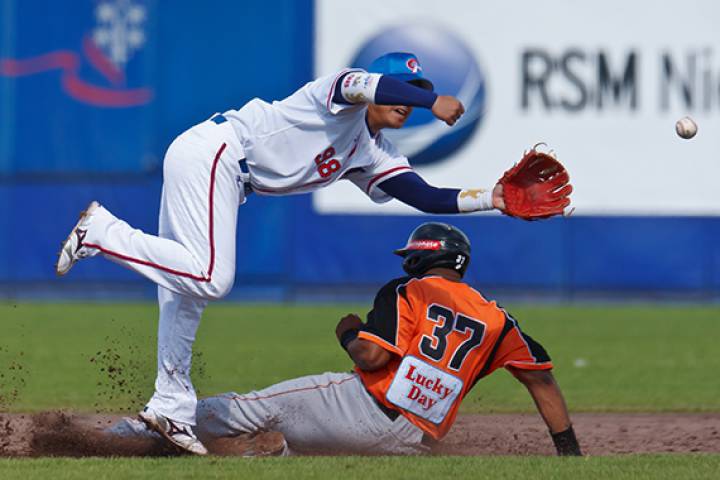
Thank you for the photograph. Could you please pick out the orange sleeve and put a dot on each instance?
(520, 350)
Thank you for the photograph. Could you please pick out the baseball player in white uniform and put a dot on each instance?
(328, 130)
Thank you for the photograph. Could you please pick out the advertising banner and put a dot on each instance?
(603, 87)
(77, 87)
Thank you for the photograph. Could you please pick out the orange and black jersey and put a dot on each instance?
(445, 336)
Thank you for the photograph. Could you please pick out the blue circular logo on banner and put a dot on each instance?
(450, 65)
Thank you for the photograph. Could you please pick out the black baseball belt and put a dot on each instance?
(391, 413)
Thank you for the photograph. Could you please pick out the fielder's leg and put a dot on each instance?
(194, 253)
(192, 260)
(174, 395)
(185, 215)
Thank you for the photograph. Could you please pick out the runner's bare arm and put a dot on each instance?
(366, 355)
(547, 396)
(550, 403)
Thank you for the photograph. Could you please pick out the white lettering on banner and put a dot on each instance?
(423, 389)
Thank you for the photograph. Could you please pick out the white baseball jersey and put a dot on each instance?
(307, 141)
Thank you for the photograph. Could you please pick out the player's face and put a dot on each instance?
(389, 116)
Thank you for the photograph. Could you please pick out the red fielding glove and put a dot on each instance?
(537, 187)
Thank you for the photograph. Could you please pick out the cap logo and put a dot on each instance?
(424, 245)
(413, 65)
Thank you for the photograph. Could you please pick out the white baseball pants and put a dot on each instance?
(192, 259)
(328, 413)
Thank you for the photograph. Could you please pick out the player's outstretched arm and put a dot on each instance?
(412, 190)
(538, 187)
(550, 403)
(366, 355)
(361, 87)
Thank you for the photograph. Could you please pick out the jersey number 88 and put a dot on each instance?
(326, 165)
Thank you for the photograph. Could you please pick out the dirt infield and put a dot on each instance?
(61, 434)
(598, 434)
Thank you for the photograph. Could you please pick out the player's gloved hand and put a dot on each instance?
(498, 200)
(448, 109)
(535, 188)
(349, 322)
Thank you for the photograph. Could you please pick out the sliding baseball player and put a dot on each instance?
(429, 339)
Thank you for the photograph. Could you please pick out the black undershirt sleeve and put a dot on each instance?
(382, 319)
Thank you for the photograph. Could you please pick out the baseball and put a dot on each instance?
(686, 127)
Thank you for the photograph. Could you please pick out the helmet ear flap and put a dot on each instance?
(419, 262)
(411, 264)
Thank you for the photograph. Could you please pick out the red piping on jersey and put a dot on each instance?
(383, 174)
(211, 236)
(352, 152)
(314, 387)
(289, 189)
(334, 84)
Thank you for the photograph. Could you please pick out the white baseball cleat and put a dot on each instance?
(177, 433)
(71, 250)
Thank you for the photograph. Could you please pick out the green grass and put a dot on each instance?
(637, 358)
(656, 467)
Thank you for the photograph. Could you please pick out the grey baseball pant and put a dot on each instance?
(328, 413)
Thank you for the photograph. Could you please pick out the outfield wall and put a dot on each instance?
(84, 115)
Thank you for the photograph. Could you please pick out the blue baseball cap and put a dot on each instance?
(402, 66)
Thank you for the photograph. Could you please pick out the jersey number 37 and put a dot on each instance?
(435, 346)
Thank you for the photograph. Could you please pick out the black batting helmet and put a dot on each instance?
(435, 244)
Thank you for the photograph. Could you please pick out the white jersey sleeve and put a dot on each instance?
(306, 142)
(387, 163)
(323, 90)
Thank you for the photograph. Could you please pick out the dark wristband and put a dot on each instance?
(566, 443)
(348, 336)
